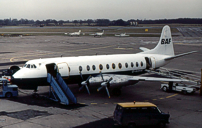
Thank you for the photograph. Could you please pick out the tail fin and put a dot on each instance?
(79, 31)
(165, 44)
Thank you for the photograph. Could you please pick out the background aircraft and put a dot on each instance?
(121, 35)
(97, 34)
(74, 33)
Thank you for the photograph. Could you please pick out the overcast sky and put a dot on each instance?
(99, 9)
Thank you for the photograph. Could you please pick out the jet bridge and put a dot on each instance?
(59, 88)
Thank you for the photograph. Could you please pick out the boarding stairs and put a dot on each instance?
(193, 78)
(60, 90)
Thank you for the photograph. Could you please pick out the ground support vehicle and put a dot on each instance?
(7, 90)
(133, 114)
(178, 88)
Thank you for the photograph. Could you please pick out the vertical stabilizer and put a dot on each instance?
(165, 44)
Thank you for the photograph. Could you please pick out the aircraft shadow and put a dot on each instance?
(43, 101)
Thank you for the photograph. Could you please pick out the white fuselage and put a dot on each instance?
(116, 64)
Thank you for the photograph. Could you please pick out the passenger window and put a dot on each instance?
(107, 66)
(34, 66)
(141, 63)
(113, 66)
(120, 65)
(137, 64)
(28, 66)
(93, 67)
(100, 66)
(88, 67)
(132, 64)
(80, 68)
(126, 65)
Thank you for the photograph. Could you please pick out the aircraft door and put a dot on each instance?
(153, 61)
(63, 69)
(148, 63)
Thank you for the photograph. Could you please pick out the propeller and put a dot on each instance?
(85, 83)
(105, 84)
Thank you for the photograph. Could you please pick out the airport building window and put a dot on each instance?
(126, 65)
(120, 65)
(113, 66)
(93, 67)
(141, 63)
(137, 64)
(88, 67)
(80, 68)
(107, 66)
(100, 66)
(132, 64)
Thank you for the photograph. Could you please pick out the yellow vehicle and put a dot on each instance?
(133, 114)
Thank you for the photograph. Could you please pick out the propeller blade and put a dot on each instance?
(107, 91)
(99, 88)
(87, 89)
(88, 78)
(109, 80)
(81, 88)
(81, 75)
(101, 76)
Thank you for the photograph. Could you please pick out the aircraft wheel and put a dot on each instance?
(162, 125)
(184, 92)
(116, 92)
(9, 95)
(165, 89)
(131, 125)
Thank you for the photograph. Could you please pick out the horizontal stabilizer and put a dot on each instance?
(144, 49)
(183, 54)
(156, 79)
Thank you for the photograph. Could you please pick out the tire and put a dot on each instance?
(184, 92)
(116, 92)
(165, 89)
(162, 125)
(131, 125)
(9, 95)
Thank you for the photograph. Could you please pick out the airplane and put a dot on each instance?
(121, 35)
(97, 34)
(74, 33)
(107, 71)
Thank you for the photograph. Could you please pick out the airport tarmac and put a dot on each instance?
(96, 110)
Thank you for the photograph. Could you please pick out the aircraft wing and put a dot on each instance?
(137, 78)
(144, 49)
(117, 79)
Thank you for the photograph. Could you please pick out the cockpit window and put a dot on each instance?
(34, 66)
(28, 66)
